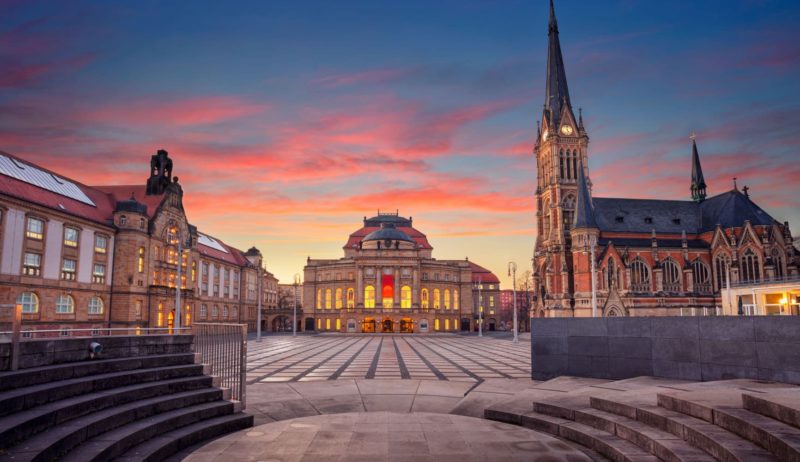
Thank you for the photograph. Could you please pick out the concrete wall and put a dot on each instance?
(691, 348)
(35, 353)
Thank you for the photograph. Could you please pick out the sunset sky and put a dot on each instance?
(288, 121)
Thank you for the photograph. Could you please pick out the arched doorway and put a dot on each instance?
(387, 326)
(368, 325)
(281, 324)
(406, 325)
(171, 321)
(309, 324)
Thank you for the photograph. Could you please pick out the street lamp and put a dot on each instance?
(294, 320)
(259, 296)
(480, 307)
(512, 271)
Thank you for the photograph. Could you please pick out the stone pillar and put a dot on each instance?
(397, 287)
(415, 288)
(359, 287)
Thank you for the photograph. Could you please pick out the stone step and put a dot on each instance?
(17, 400)
(165, 445)
(659, 443)
(611, 446)
(715, 441)
(783, 406)
(776, 437)
(112, 444)
(45, 374)
(25, 424)
(62, 438)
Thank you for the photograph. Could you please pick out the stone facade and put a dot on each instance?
(108, 257)
(388, 281)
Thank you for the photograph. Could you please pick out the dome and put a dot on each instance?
(388, 232)
(131, 206)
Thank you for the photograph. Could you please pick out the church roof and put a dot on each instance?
(556, 90)
(731, 209)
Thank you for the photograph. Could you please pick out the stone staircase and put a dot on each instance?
(652, 419)
(134, 408)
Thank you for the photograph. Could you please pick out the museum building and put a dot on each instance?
(388, 281)
(98, 257)
(634, 257)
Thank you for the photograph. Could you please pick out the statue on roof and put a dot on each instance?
(160, 173)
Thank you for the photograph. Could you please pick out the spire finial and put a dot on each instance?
(745, 190)
(734, 184)
(553, 23)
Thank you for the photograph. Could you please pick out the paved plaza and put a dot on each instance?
(455, 358)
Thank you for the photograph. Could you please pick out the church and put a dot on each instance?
(597, 256)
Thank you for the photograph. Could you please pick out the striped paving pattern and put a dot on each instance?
(385, 356)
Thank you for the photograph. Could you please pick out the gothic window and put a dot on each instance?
(369, 297)
(672, 276)
(722, 265)
(777, 260)
(339, 299)
(568, 204)
(405, 297)
(424, 299)
(546, 219)
(611, 274)
(640, 276)
(575, 165)
(751, 267)
(701, 276)
(562, 161)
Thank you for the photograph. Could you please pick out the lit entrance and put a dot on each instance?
(386, 325)
(406, 325)
(368, 326)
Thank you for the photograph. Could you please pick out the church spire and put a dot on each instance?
(556, 92)
(698, 186)
(584, 210)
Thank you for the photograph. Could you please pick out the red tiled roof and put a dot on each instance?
(418, 237)
(101, 213)
(124, 192)
(485, 276)
(234, 256)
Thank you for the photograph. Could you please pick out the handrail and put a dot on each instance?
(224, 347)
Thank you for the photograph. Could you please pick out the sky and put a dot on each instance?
(289, 121)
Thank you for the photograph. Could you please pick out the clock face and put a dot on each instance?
(566, 129)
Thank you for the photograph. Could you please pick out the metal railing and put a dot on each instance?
(224, 347)
(764, 281)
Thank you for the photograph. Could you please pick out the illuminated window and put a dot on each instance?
(351, 298)
(68, 267)
(70, 237)
(328, 324)
(491, 301)
(194, 271)
(328, 299)
(29, 302)
(172, 235)
(338, 298)
(387, 291)
(100, 243)
(424, 299)
(338, 324)
(99, 273)
(436, 324)
(65, 304)
(455, 299)
(437, 299)
(446, 299)
(319, 299)
(405, 297)
(369, 297)
(319, 324)
(95, 305)
(35, 228)
(140, 260)
(446, 324)
(32, 265)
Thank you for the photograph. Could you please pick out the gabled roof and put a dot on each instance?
(482, 275)
(731, 209)
(214, 248)
(101, 212)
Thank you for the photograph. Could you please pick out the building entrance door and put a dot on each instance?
(465, 324)
(387, 325)
(407, 325)
(368, 326)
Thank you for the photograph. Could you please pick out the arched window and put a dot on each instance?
(405, 297)
(455, 299)
(319, 299)
(568, 206)
(351, 298)
(574, 165)
(672, 276)
(751, 266)
(611, 274)
(446, 299)
(338, 298)
(437, 299)
(722, 266)
(546, 219)
(777, 261)
(369, 297)
(95, 305)
(561, 162)
(140, 260)
(424, 299)
(65, 304)
(640, 276)
(701, 277)
(29, 302)
(328, 301)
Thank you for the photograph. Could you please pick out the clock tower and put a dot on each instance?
(560, 150)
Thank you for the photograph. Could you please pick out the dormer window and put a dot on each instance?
(619, 219)
(676, 221)
(648, 220)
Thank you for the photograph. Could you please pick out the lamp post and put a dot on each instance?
(512, 271)
(294, 319)
(480, 307)
(260, 294)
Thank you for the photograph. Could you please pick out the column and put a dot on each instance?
(397, 287)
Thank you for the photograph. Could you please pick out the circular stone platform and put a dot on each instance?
(387, 436)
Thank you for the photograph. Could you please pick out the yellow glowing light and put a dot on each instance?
(783, 301)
